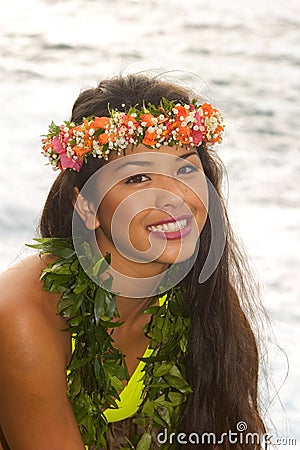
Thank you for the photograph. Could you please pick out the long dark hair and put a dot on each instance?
(222, 363)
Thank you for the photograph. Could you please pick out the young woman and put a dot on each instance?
(152, 272)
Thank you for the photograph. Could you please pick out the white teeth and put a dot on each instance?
(169, 227)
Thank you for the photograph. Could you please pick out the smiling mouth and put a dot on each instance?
(172, 228)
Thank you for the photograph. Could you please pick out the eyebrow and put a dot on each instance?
(186, 155)
(148, 163)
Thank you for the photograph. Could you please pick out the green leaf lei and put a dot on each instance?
(97, 369)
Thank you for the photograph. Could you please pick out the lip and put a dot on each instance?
(172, 235)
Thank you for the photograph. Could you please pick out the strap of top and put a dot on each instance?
(130, 397)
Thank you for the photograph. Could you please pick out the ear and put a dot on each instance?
(86, 210)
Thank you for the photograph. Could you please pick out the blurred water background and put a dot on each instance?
(243, 56)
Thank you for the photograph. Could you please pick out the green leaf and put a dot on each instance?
(79, 288)
(110, 301)
(175, 398)
(64, 304)
(97, 368)
(116, 383)
(117, 370)
(145, 442)
(75, 387)
(160, 370)
(97, 266)
(178, 383)
(99, 304)
(148, 408)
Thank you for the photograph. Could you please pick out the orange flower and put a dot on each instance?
(103, 138)
(130, 119)
(149, 138)
(207, 108)
(147, 118)
(80, 151)
(101, 122)
(183, 135)
(76, 128)
(182, 112)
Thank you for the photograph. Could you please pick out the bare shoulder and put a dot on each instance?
(23, 277)
(34, 353)
(26, 310)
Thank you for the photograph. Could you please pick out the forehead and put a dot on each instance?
(143, 153)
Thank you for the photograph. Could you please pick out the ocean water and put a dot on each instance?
(243, 57)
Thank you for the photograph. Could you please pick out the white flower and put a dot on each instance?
(151, 129)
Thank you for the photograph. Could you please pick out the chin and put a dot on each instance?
(175, 255)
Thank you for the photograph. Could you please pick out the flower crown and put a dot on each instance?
(171, 123)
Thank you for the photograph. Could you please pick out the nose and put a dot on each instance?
(170, 193)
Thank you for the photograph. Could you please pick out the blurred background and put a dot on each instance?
(244, 57)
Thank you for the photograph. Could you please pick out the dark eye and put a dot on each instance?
(136, 179)
(189, 168)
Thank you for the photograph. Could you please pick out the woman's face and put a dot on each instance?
(153, 208)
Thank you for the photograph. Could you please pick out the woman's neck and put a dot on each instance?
(130, 309)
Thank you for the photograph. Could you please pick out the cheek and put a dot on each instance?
(121, 215)
(106, 211)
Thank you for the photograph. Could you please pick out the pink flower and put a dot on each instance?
(57, 145)
(68, 162)
(196, 135)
